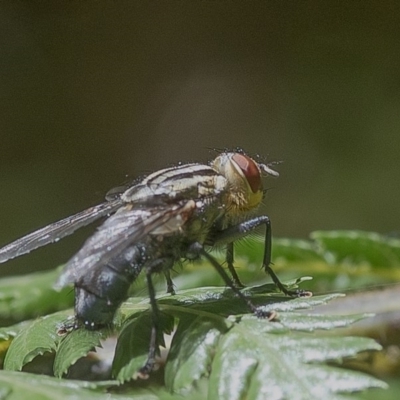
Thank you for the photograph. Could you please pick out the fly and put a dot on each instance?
(172, 214)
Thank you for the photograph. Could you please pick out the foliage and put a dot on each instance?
(216, 348)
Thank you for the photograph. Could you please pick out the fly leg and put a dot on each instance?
(170, 284)
(164, 265)
(155, 315)
(199, 249)
(231, 267)
(236, 232)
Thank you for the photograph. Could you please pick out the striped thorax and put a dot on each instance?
(188, 181)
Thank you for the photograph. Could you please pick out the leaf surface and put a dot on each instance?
(39, 337)
(73, 346)
(264, 363)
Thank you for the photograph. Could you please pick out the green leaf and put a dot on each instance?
(22, 385)
(191, 353)
(39, 337)
(198, 338)
(220, 301)
(357, 247)
(262, 363)
(215, 345)
(218, 347)
(311, 322)
(32, 295)
(75, 345)
(287, 250)
(295, 250)
(133, 344)
(9, 332)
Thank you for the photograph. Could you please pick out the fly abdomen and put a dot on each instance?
(100, 292)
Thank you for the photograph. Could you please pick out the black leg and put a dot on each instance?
(232, 270)
(197, 247)
(239, 231)
(170, 284)
(149, 365)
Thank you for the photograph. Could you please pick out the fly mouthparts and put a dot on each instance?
(265, 168)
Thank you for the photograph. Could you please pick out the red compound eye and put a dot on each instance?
(250, 170)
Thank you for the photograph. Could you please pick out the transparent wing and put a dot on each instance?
(58, 230)
(121, 230)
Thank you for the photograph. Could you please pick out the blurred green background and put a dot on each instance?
(96, 92)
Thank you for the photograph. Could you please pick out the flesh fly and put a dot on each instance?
(172, 214)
